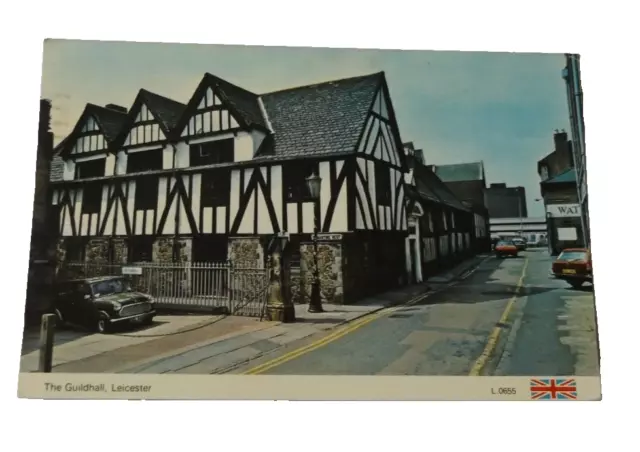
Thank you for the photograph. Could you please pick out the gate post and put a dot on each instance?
(279, 305)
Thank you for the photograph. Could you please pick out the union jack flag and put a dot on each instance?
(553, 389)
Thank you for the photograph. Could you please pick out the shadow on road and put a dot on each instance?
(68, 334)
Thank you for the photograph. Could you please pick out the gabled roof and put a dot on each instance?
(167, 111)
(110, 121)
(244, 104)
(569, 176)
(325, 118)
(428, 181)
(460, 172)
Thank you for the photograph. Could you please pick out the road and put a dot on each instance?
(506, 318)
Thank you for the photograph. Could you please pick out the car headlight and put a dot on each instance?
(116, 306)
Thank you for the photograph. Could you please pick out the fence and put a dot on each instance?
(190, 285)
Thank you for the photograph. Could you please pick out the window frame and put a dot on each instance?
(294, 177)
(382, 184)
(215, 188)
(217, 151)
(86, 164)
(91, 205)
(156, 158)
(148, 200)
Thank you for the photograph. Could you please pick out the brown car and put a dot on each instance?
(574, 266)
(506, 248)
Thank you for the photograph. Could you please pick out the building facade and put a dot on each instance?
(571, 75)
(216, 178)
(506, 202)
(441, 227)
(468, 182)
(560, 195)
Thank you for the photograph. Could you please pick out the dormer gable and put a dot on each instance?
(219, 107)
(94, 133)
(150, 120)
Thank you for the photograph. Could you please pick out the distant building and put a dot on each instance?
(571, 75)
(506, 202)
(468, 182)
(560, 196)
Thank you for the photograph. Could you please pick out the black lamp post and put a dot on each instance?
(315, 303)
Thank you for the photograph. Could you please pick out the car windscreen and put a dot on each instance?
(109, 287)
(505, 243)
(572, 256)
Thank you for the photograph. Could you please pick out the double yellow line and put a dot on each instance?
(349, 328)
(492, 342)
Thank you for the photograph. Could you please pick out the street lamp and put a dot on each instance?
(315, 303)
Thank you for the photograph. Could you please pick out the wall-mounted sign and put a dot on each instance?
(563, 210)
(330, 237)
(131, 270)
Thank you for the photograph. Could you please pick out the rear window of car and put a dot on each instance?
(503, 243)
(572, 255)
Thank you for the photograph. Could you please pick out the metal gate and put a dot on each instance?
(188, 286)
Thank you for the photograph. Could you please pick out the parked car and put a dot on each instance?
(520, 243)
(506, 248)
(99, 303)
(574, 266)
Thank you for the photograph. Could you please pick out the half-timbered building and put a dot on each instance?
(215, 178)
(440, 231)
(469, 183)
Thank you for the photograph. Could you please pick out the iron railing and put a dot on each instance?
(188, 285)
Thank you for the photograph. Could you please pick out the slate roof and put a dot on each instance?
(167, 111)
(460, 172)
(110, 121)
(325, 118)
(429, 185)
(569, 176)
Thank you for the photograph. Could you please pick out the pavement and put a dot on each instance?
(209, 344)
(505, 318)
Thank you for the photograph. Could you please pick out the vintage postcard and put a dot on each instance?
(235, 222)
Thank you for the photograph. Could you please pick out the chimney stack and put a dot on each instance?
(560, 140)
(117, 108)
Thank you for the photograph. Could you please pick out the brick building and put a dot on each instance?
(560, 195)
(506, 202)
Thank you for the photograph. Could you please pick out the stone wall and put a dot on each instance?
(246, 252)
(163, 250)
(330, 271)
(248, 281)
(120, 250)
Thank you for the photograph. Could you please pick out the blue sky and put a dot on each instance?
(501, 108)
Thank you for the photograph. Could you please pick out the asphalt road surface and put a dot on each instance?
(550, 330)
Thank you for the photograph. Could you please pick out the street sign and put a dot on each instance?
(563, 210)
(330, 237)
(131, 270)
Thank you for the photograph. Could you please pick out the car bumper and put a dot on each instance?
(567, 277)
(134, 318)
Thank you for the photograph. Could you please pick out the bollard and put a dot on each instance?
(47, 329)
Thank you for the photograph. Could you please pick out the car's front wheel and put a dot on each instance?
(103, 326)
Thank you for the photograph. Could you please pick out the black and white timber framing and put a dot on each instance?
(231, 163)
(213, 171)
